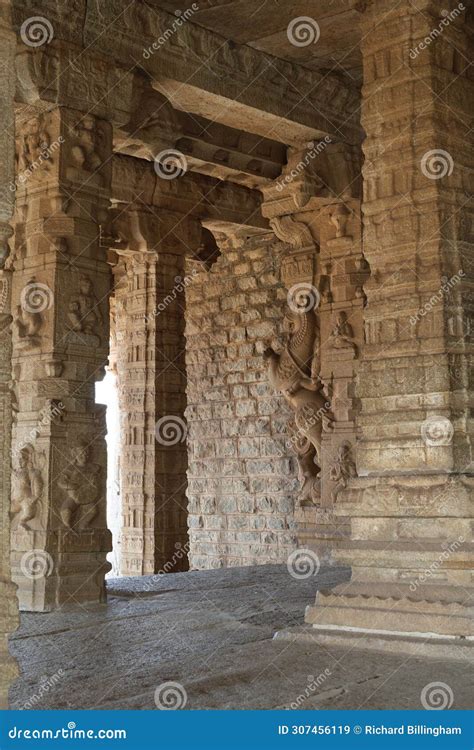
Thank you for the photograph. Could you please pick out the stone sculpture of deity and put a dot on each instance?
(27, 487)
(84, 312)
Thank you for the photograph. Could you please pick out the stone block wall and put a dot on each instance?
(242, 478)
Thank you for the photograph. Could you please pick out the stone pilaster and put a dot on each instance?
(8, 601)
(410, 546)
(61, 285)
(315, 208)
(151, 379)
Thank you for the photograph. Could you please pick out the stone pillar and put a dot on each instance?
(8, 601)
(315, 208)
(61, 285)
(152, 382)
(410, 546)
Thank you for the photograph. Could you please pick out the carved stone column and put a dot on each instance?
(61, 285)
(8, 601)
(314, 207)
(152, 382)
(411, 524)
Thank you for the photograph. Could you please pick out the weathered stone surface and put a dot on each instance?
(238, 455)
(212, 631)
(8, 601)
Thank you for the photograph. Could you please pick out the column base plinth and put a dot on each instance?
(415, 644)
(434, 611)
(67, 568)
(321, 531)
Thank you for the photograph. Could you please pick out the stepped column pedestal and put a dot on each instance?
(410, 504)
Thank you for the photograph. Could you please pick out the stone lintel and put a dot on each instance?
(137, 183)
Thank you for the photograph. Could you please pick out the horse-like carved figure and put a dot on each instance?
(295, 373)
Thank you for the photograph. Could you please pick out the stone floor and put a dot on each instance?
(212, 632)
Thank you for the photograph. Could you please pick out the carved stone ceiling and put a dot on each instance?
(263, 24)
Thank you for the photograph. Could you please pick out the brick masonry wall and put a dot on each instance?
(242, 482)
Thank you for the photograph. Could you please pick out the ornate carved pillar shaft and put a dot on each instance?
(315, 208)
(8, 602)
(410, 546)
(151, 379)
(61, 285)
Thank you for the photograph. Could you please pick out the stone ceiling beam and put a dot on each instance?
(201, 72)
(136, 183)
(208, 147)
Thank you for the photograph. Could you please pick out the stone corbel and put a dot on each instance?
(293, 232)
(154, 126)
(315, 176)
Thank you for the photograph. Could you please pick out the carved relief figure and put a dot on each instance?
(339, 218)
(84, 311)
(82, 482)
(294, 373)
(27, 487)
(86, 150)
(28, 324)
(33, 146)
(308, 473)
(343, 468)
(342, 335)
